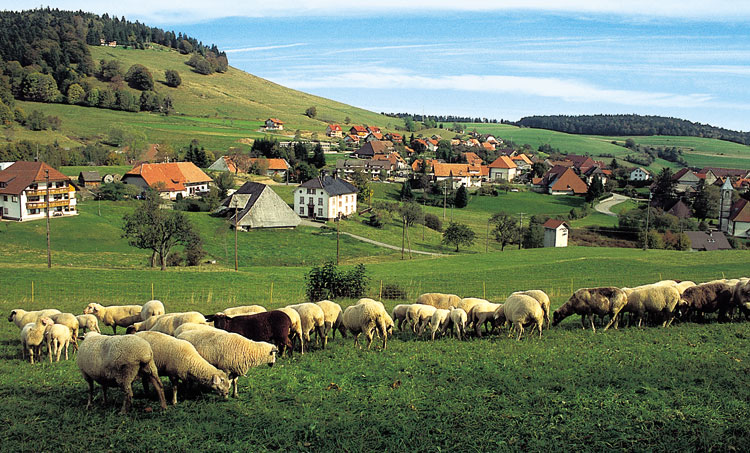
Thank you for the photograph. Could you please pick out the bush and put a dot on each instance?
(487, 190)
(392, 291)
(328, 282)
(173, 78)
(433, 222)
(174, 259)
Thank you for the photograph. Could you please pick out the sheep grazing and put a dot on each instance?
(88, 323)
(334, 317)
(607, 300)
(168, 323)
(312, 318)
(231, 352)
(114, 315)
(366, 317)
(271, 326)
(418, 315)
(540, 297)
(152, 308)
(659, 298)
(22, 317)
(709, 298)
(295, 330)
(192, 326)
(440, 320)
(117, 361)
(439, 300)
(244, 310)
(482, 314)
(458, 319)
(57, 337)
(520, 310)
(71, 322)
(467, 303)
(32, 336)
(179, 360)
(144, 325)
(741, 297)
(399, 314)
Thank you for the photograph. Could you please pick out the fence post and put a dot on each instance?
(380, 296)
(271, 293)
(32, 291)
(484, 290)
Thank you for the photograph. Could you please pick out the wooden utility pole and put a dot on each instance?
(49, 252)
(487, 238)
(403, 235)
(338, 227)
(236, 259)
(648, 212)
(520, 230)
(445, 197)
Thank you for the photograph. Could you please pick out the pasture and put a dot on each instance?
(631, 389)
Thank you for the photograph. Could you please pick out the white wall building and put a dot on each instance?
(640, 174)
(24, 191)
(326, 198)
(556, 233)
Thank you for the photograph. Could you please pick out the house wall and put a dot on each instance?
(502, 174)
(15, 207)
(325, 206)
(557, 237)
(740, 229)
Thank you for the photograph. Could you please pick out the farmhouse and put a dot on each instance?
(712, 240)
(272, 167)
(274, 124)
(374, 136)
(89, 179)
(258, 206)
(374, 168)
(640, 174)
(351, 140)
(458, 174)
(370, 149)
(503, 169)
(170, 179)
(560, 180)
(522, 161)
(334, 130)
(716, 173)
(325, 197)
(359, 131)
(739, 219)
(685, 180)
(224, 163)
(556, 233)
(472, 158)
(25, 186)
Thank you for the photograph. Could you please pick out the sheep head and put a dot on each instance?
(221, 384)
(46, 321)
(131, 330)
(91, 308)
(12, 316)
(274, 352)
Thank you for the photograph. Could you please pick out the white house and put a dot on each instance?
(255, 205)
(274, 124)
(556, 233)
(503, 169)
(25, 186)
(459, 174)
(325, 197)
(640, 174)
(170, 179)
(334, 130)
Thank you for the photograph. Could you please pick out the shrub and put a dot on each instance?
(392, 291)
(174, 259)
(433, 222)
(328, 282)
(173, 78)
(487, 190)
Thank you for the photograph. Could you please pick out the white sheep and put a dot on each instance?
(458, 319)
(439, 321)
(32, 336)
(180, 361)
(244, 310)
(312, 318)
(418, 315)
(606, 300)
(656, 298)
(334, 317)
(230, 352)
(21, 317)
(398, 314)
(296, 328)
(88, 323)
(117, 361)
(114, 315)
(71, 322)
(192, 326)
(144, 325)
(520, 309)
(152, 308)
(467, 303)
(169, 322)
(367, 317)
(482, 313)
(540, 297)
(439, 300)
(58, 337)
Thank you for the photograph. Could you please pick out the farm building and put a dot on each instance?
(560, 180)
(272, 167)
(334, 130)
(224, 163)
(503, 169)
(274, 124)
(325, 197)
(258, 206)
(358, 131)
(370, 149)
(170, 179)
(556, 233)
(458, 174)
(685, 180)
(712, 240)
(739, 218)
(89, 179)
(24, 187)
(640, 174)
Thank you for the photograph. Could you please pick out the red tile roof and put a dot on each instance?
(174, 175)
(457, 170)
(21, 174)
(503, 162)
(554, 223)
(568, 180)
(275, 120)
(522, 157)
(740, 211)
(273, 164)
(472, 158)
(334, 127)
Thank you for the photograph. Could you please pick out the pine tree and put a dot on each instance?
(406, 193)
(462, 197)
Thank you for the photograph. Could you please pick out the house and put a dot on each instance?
(372, 167)
(4, 165)
(89, 179)
(258, 206)
(397, 162)
(224, 163)
(685, 180)
(680, 210)
(373, 130)
(522, 161)
(560, 180)
(490, 139)
(458, 174)
(274, 124)
(325, 197)
(170, 179)
(25, 188)
(417, 165)
(588, 175)
(715, 173)
(712, 240)
(739, 219)
(374, 136)
(472, 158)
(488, 146)
(581, 163)
(640, 174)
(334, 130)
(395, 138)
(351, 140)
(556, 233)
(503, 169)
(472, 142)
(371, 149)
(359, 131)
(431, 144)
(273, 166)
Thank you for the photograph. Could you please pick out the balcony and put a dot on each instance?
(43, 192)
(43, 204)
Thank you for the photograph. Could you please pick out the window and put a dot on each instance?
(320, 201)
(5, 211)
(301, 200)
(320, 212)
(311, 191)
(301, 210)
(5, 198)
(311, 200)
(15, 199)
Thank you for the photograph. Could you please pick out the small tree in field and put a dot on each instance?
(462, 197)
(311, 112)
(458, 234)
(173, 78)
(505, 229)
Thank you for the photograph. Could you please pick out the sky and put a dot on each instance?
(481, 58)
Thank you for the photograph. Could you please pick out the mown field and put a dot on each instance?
(632, 389)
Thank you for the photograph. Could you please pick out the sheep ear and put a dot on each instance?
(216, 380)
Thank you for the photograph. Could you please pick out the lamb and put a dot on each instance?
(593, 301)
(58, 337)
(439, 300)
(399, 314)
(458, 319)
(22, 317)
(244, 310)
(114, 315)
(271, 326)
(520, 309)
(88, 323)
(168, 323)
(312, 317)
(482, 313)
(418, 315)
(367, 317)
(709, 298)
(440, 320)
(655, 298)
(542, 298)
(32, 336)
(71, 322)
(117, 361)
(179, 360)
(231, 352)
(152, 308)
(334, 317)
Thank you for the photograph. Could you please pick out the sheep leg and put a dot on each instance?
(49, 350)
(67, 343)
(234, 384)
(90, 382)
(519, 326)
(104, 394)
(128, 403)
(612, 321)
(583, 322)
(540, 329)
(369, 336)
(174, 382)
(114, 329)
(593, 327)
(356, 340)
(323, 333)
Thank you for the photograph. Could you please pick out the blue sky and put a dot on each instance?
(501, 59)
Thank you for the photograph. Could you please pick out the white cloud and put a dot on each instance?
(256, 49)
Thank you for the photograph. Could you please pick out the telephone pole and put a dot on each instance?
(49, 252)
(648, 214)
(520, 229)
(338, 227)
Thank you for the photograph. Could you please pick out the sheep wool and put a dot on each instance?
(88, 323)
(296, 328)
(606, 300)
(439, 321)
(399, 314)
(114, 315)
(366, 317)
(439, 300)
(543, 300)
(334, 317)
(58, 337)
(32, 336)
(152, 308)
(483, 314)
(191, 326)
(22, 317)
(458, 319)
(312, 318)
(70, 321)
(168, 323)
(417, 314)
(658, 298)
(520, 309)
(244, 310)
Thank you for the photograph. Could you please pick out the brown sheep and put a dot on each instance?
(709, 298)
(593, 301)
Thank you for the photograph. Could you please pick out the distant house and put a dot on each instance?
(503, 169)
(556, 233)
(712, 240)
(394, 137)
(274, 124)
(522, 161)
(431, 144)
(89, 179)
(685, 180)
(640, 174)
(170, 179)
(325, 197)
(374, 168)
(24, 190)
(273, 166)
(458, 174)
(334, 130)
(472, 158)
(716, 173)
(373, 130)
(560, 180)
(370, 149)
(488, 146)
(352, 140)
(739, 219)
(258, 206)
(374, 136)
(224, 163)
(359, 131)
(680, 210)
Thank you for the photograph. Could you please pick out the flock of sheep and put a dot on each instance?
(213, 351)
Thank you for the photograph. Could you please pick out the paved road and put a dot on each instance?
(605, 206)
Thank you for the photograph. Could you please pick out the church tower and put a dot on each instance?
(726, 205)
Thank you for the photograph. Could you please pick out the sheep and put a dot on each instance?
(543, 300)
(152, 308)
(32, 336)
(312, 317)
(230, 352)
(117, 361)
(399, 314)
(593, 301)
(367, 317)
(192, 326)
(244, 310)
(58, 337)
(114, 315)
(334, 317)
(741, 297)
(271, 326)
(520, 309)
(168, 323)
(467, 303)
(656, 299)
(710, 297)
(71, 322)
(88, 323)
(482, 313)
(295, 328)
(144, 325)
(418, 315)
(180, 361)
(439, 321)
(22, 317)
(439, 300)
(458, 319)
